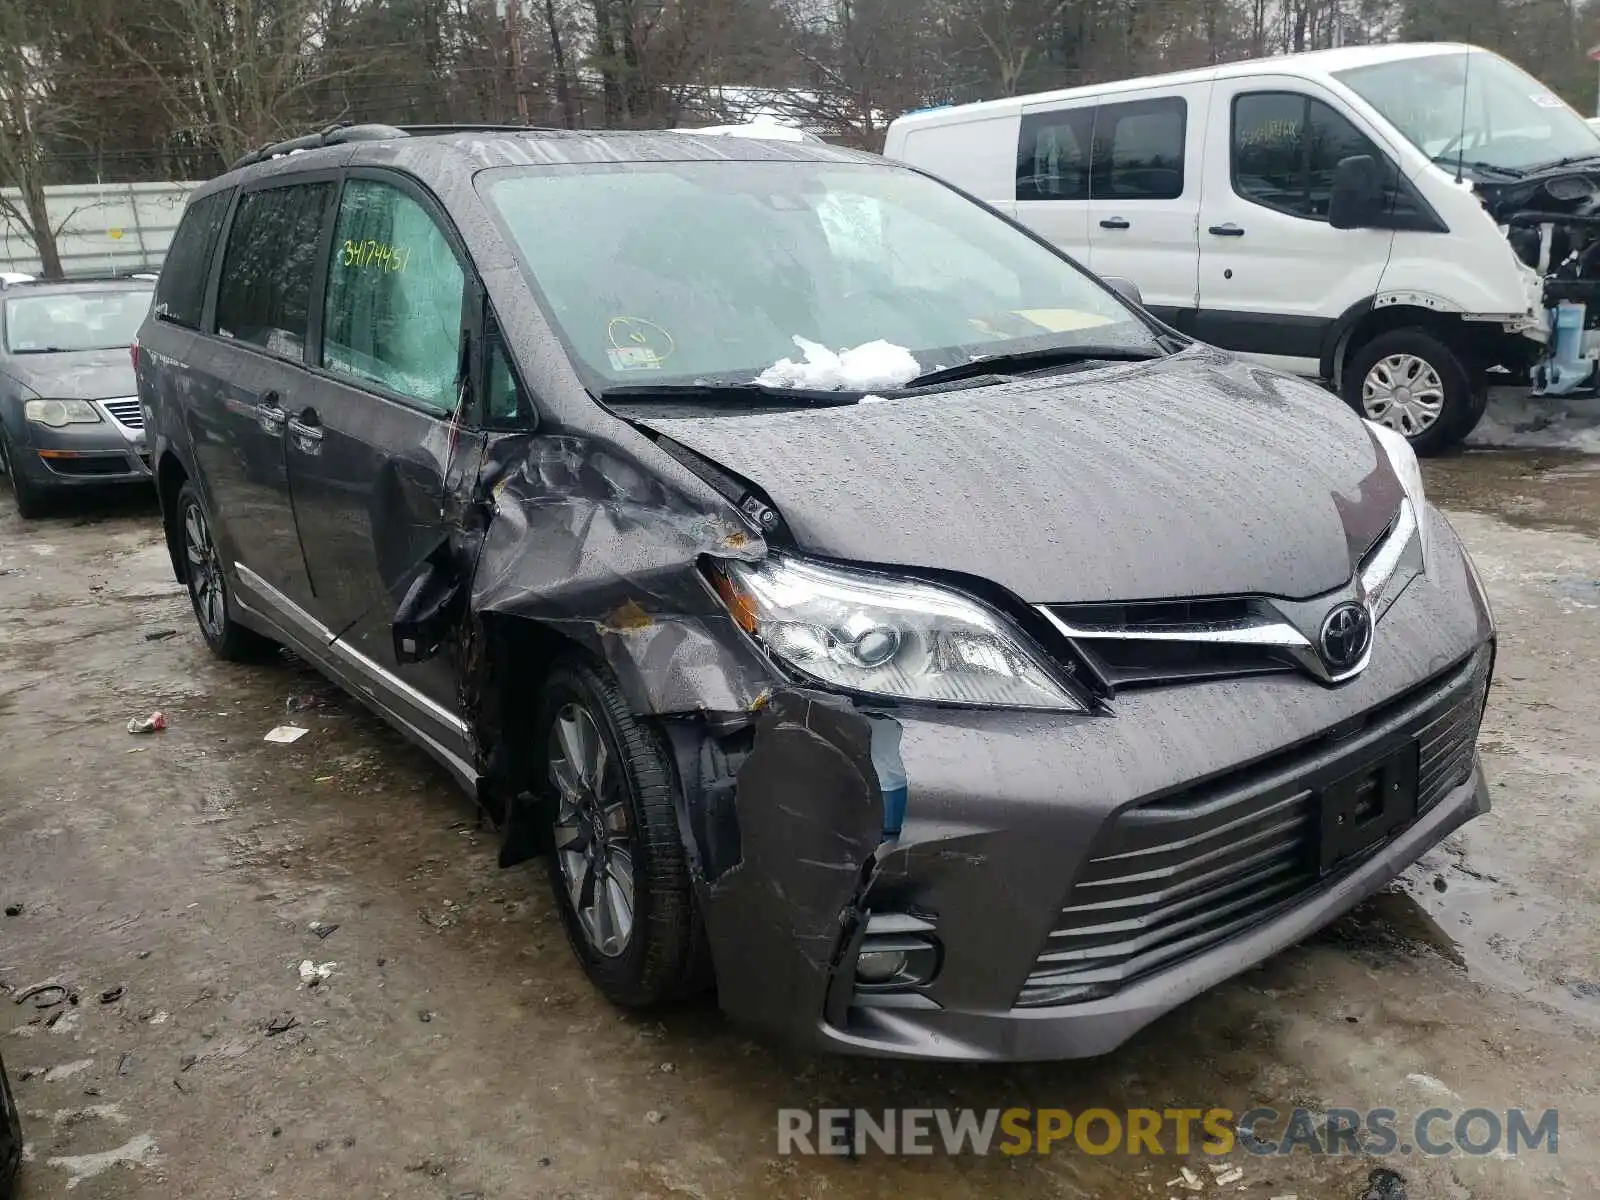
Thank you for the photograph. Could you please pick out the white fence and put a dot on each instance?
(103, 226)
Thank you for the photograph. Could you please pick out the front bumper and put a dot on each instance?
(81, 455)
(1010, 813)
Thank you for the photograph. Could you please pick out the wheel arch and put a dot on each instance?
(171, 475)
(1362, 322)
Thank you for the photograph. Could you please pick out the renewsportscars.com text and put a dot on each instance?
(1377, 1132)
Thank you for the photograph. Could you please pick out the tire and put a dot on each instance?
(1422, 373)
(209, 594)
(31, 499)
(664, 954)
(10, 1137)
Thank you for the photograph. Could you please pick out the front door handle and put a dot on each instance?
(1228, 230)
(269, 413)
(1114, 223)
(306, 430)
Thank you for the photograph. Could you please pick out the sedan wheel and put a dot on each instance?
(1403, 392)
(593, 834)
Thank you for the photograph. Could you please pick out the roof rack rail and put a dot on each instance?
(426, 130)
(338, 135)
(329, 135)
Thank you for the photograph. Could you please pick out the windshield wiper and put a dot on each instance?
(1570, 160)
(1032, 360)
(1450, 162)
(724, 393)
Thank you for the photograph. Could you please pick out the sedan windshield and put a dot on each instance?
(1475, 106)
(61, 322)
(663, 272)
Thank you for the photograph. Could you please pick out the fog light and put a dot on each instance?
(880, 966)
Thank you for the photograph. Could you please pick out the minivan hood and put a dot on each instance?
(1197, 475)
(76, 375)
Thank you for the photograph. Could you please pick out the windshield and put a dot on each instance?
(708, 271)
(67, 321)
(1510, 120)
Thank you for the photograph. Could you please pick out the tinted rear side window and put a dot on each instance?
(1131, 151)
(181, 292)
(271, 260)
(1053, 155)
(1138, 150)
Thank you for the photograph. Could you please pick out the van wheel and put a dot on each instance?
(617, 863)
(208, 585)
(1411, 381)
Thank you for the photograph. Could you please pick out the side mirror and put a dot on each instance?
(1126, 288)
(1357, 197)
(430, 611)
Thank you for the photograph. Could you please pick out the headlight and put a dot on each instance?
(56, 413)
(888, 637)
(1406, 468)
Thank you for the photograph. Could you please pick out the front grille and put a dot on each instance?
(98, 464)
(1177, 874)
(1171, 641)
(127, 412)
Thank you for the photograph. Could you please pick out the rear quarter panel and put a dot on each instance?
(978, 153)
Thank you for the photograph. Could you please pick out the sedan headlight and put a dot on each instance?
(58, 413)
(1403, 553)
(890, 637)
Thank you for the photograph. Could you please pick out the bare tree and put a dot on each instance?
(251, 66)
(34, 114)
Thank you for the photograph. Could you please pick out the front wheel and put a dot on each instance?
(617, 863)
(29, 496)
(1414, 383)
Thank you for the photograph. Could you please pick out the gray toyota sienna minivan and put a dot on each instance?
(862, 608)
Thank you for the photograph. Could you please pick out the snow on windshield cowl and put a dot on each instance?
(867, 367)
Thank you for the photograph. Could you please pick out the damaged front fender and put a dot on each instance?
(588, 543)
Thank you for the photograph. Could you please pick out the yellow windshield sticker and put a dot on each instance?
(637, 344)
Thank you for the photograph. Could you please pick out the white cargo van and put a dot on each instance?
(1397, 220)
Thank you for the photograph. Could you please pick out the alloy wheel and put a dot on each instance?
(593, 832)
(1403, 392)
(205, 573)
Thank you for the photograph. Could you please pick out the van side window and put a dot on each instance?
(1138, 150)
(1053, 155)
(1285, 148)
(265, 295)
(181, 290)
(392, 314)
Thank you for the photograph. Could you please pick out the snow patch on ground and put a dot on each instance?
(67, 1070)
(137, 1152)
(866, 368)
(1515, 420)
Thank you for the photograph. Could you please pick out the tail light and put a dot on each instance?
(133, 353)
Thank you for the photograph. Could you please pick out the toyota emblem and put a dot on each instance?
(1346, 636)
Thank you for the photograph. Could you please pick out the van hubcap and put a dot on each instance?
(593, 838)
(205, 572)
(1403, 392)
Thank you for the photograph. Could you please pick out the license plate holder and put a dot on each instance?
(1366, 806)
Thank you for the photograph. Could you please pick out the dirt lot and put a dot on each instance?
(454, 1049)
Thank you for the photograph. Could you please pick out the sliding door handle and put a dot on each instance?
(1228, 230)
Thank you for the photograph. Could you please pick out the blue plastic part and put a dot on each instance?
(1564, 369)
(891, 771)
